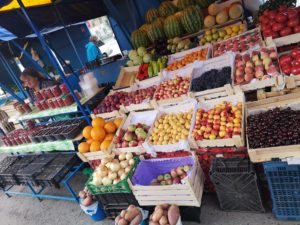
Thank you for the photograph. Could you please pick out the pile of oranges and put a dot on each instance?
(99, 136)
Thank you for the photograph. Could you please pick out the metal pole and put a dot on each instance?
(31, 59)
(69, 37)
(11, 92)
(53, 60)
(12, 75)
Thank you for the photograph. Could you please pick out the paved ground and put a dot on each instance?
(25, 210)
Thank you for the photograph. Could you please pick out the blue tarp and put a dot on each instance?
(5, 35)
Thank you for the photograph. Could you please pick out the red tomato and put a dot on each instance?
(297, 29)
(267, 33)
(272, 15)
(295, 52)
(293, 23)
(286, 69)
(281, 17)
(292, 15)
(296, 70)
(275, 34)
(297, 59)
(277, 26)
(261, 18)
(282, 8)
(266, 12)
(286, 31)
(285, 59)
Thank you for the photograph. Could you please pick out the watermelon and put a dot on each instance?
(192, 19)
(203, 4)
(144, 27)
(139, 39)
(151, 15)
(173, 27)
(156, 31)
(182, 4)
(159, 21)
(167, 9)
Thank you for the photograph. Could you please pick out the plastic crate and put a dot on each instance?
(284, 186)
(56, 170)
(236, 184)
(206, 156)
(121, 187)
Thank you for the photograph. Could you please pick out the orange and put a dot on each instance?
(109, 137)
(95, 146)
(87, 132)
(89, 140)
(98, 122)
(84, 147)
(105, 145)
(98, 133)
(118, 122)
(110, 127)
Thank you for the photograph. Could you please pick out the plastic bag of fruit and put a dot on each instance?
(165, 214)
(131, 216)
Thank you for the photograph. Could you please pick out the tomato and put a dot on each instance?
(286, 31)
(264, 26)
(281, 17)
(295, 52)
(295, 63)
(275, 34)
(282, 8)
(272, 15)
(261, 18)
(296, 70)
(292, 15)
(265, 20)
(266, 12)
(286, 69)
(277, 27)
(297, 29)
(267, 33)
(285, 59)
(293, 23)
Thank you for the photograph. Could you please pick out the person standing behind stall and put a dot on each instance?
(33, 81)
(92, 50)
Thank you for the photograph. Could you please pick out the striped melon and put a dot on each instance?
(151, 15)
(203, 4)
(182, 4)
(173, 27)
(167, 9)
(139, 39)
(156, 31)
(192, 19)
(159, 21)
(144, 27)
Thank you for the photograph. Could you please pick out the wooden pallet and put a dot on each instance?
(187, 194)
(267, 154)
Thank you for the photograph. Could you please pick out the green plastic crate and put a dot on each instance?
(121, 187)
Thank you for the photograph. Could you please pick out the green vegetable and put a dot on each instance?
(150, 71)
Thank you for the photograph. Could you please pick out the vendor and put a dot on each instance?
(92, 49)
(34, 81)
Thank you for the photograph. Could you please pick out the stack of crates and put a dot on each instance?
(284, 184)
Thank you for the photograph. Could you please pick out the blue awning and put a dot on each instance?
(6, 35)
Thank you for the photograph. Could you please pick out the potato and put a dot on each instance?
(122, 214)
(117, 219)
(163, 220)
(132, 213)
(173, 214)
(157, 214)
(136, 220)
(122, 222)
(153, 223)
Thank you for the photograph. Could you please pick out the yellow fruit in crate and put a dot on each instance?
(202, 41)
(208, 32)
(87, 132)
(215, 36)
(213, 9)
(84, 147)
(110, 127)
(240, 32)
(242, 26)
(228, 30)
(208, 38)
(98, 133)
(226, 37)
(233, 34)
(118, 122)
(105, 145)
(214, 30)
(209, 21)
(235, 28)
(222, 33)
(109, 137)
(89, 141)
(95, 146)
(98, 122)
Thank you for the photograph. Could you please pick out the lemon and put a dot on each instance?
(208, 38)
(233, 34)
(214, 30)
(235, 28)
(208, 32)
(222, 33)
(215, 36)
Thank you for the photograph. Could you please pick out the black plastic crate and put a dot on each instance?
(236, 184)
(115, 199)
(112, 211)
(56, 170)
(28, 173)
(284, 186)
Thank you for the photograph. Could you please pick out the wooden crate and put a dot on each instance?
(147, 117)
(187, 194)
(214, 93)
(126, 77)
(88, 156)
(283, 41)
(258, 155)
(271, 82)
(236, 140)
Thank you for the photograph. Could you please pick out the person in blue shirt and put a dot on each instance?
(92, 50)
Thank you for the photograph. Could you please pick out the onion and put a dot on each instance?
(120, 172)
(115, 167)
(127, 169)
(106, 181)
(111, 157)
(123, 176)
(97, 181)
(124, 164)
(131, 162)
(112, 175)
(115, 181)
(102, 171)
(129, 156)
(108, 165)
(122, 156)
(104, 161)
